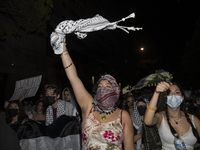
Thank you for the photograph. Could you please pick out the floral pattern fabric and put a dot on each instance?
(102, 136)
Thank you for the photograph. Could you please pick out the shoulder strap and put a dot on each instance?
(193, 121)
(162, 114)
(90, 111)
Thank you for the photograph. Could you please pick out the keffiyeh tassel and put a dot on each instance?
(81, 27)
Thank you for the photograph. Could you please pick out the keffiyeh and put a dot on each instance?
(82, 26)
(64, 108)
(105, 99)
(154, 79)
(137, 122)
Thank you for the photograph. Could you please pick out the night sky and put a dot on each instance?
(167, 27)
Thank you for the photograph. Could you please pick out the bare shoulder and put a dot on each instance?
(159, 116)
(194, 118)
(126, 118)
(124, 112)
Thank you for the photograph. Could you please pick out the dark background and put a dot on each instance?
(167, 28)
(170, 38)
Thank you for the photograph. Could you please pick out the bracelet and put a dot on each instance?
(157, 91)
(151, 108)
(68, 66)
(64, 52)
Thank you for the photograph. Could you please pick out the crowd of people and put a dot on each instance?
(76, 119)
(108, 119)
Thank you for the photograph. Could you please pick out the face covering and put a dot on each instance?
(13, 112)
(141, 110)
(105, 100)
(174, 101)
(50, 100)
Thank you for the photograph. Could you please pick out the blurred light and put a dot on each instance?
(92, 79)
(142, 48)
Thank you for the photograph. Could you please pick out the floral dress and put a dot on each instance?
(102, 136)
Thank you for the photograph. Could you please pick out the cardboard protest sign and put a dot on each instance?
(26, 88)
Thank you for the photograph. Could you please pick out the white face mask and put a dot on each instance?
(174, 101)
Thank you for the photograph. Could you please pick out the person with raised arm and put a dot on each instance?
(174, 120)
(104, 125)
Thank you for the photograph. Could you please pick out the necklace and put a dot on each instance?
(176, 120)
(103, 117)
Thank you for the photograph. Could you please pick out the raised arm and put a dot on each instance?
(150, 117)
(83, 97)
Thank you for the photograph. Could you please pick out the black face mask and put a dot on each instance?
(50, 100)
(13, 112)
(141, 110)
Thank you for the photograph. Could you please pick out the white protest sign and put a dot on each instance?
(26, 88)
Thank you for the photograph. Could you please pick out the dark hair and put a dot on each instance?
(140, 99)
(177, 84)
(43, 107)
(21, 111)
(194, 108)
(130, 96)
(183, 108)
(120, 101)
(197, 96)
(52, 87)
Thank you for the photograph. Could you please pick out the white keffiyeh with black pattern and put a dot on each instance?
(64, 108)
(137, 122)
(81, 27)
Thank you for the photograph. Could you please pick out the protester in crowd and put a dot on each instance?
(188, 99)
(56, 106)
(104, 125)
(21, 100)
(58, 129)
(15, 115)
(28, 105)
(68, 96)
(137, 119)
(174, 119)
(124, 104)
(146, 137)
(121, 103)
(40, 110)
(8, 137)
(129, 102)
(195, 109)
